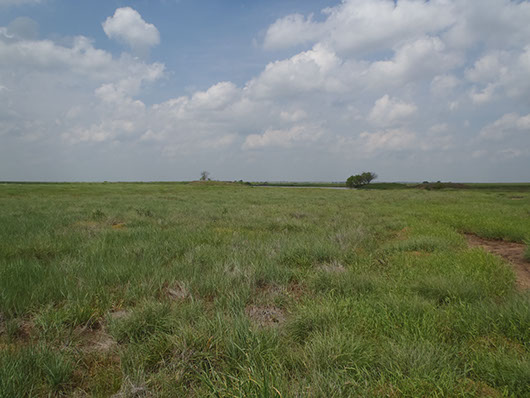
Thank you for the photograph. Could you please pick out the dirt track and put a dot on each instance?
(510, 251)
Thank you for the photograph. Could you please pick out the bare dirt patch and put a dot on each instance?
(265, 316)
(296, 290)
(129, 389)
(266, 293)
(97, 341)
(479, 388)
(119, 314)
(333, 268)
(118, 225)
(403, 233)
(510, 251)
(23, 330)
(177, 291)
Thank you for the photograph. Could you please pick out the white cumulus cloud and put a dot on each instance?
(508, 125)
(361, 25)
(297, 135)
(128, 26)
(387, 111)
(384, 140)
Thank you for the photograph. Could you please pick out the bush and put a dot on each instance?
(358, 180)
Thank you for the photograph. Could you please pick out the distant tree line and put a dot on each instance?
(358, 180)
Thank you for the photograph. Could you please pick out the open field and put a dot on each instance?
(230, 290)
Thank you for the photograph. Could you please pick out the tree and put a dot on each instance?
(354, 181)
(358, 180)
(205, 175)
(368, 177)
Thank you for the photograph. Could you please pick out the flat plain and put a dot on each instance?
(228, 290)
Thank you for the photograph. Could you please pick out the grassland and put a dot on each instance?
(229, 290)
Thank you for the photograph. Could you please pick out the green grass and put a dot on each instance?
(222, 289)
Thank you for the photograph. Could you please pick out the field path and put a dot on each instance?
(510, 251)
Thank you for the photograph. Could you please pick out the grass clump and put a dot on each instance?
(33, 371)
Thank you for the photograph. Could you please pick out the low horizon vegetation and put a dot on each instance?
(360, 180)
(212, 289)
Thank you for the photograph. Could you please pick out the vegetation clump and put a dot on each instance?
(441, 185)
(359, 180)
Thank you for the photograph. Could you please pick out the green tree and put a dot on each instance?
(205, 176)
(358, 180)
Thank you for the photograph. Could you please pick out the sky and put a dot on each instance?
(264, 90)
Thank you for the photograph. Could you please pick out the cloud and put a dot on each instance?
(387, 111)
(444, 85)
(318, 69)
(417, 60)
(47, 63)
(385, 140)
(217, 97)
(362, 25)
(499, 73)
(297, 135)
(23, 28)
(483, 96)
(128, 26)
(292, 30)
(82, 93)
(18, 2)
(486, 68)
(509, 124)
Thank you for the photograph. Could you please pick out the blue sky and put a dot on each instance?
(202, 42)
(264, 90)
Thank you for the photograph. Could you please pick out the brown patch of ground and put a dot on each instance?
(385, 390)
(494, 342)
(119, 314)
(333, 267)
(265, 316)
(119, 225)
(296, 290)
(97, 341)
(266, 292)
(89, 226)
(25, 329)
(269, 291)
(403, 234)
(18, 332)
(97, 374)
(510, 251)
(479, 388)
(132, 390)
(177, 291)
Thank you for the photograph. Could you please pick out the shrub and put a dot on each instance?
(358, 180)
